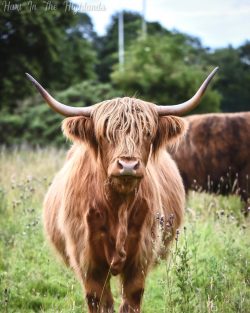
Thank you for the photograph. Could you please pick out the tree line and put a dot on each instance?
(63, 51)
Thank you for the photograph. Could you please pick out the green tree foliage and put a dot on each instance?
(77, 54)
(61, 49)
(108, 45)
(34, 122)
(53, 45)
(164, 69)
(234, 78)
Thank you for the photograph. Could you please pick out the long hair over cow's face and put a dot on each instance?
(124, 133)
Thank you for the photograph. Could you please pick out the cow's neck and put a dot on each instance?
(117, 200)
(119, 207)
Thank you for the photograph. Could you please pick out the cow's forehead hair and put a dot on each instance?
(121, 117)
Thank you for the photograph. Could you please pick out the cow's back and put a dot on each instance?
(215, 151)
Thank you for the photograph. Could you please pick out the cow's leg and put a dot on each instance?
(98, 293)
(96, 282)
(132, 290)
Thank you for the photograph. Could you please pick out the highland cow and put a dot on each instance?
(215, 154)
(116, 204)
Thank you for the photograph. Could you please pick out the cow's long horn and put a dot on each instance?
(58, 106)
(185, 107)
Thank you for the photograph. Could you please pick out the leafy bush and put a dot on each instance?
(35, 123)
(164, 70)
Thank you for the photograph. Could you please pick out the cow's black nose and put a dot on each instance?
(128, 167)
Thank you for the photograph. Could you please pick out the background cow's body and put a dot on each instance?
(215, 153)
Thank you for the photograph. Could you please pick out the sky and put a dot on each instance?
(217, 23)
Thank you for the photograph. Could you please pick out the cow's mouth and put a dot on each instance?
(125, 183)
(127, 178)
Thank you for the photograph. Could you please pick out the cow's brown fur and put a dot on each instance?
(97, 229)
(215, 153)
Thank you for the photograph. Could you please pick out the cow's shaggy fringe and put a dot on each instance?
(132, 117)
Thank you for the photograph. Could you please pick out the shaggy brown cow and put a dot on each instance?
(119, 198)
(215, 154)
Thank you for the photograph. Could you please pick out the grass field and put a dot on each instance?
(208, 271)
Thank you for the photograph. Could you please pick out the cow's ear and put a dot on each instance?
(79, 128)
(170, 129)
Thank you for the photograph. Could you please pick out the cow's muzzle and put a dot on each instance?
(127, 168)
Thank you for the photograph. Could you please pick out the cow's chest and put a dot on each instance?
(114, 238)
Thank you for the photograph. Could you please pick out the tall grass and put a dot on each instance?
(208, 270)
